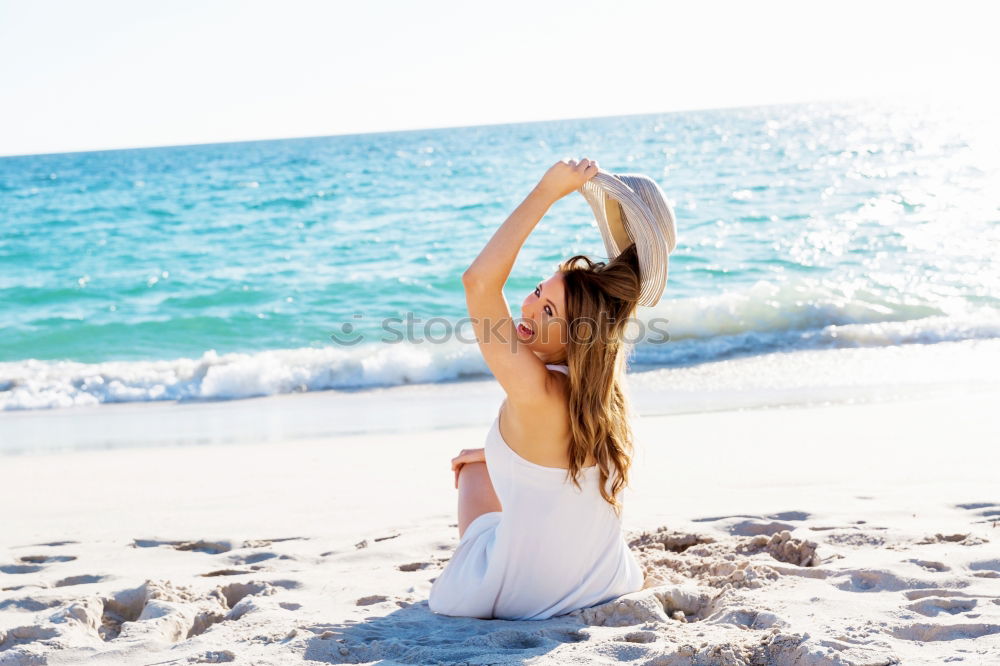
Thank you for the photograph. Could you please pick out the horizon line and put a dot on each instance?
(859, 98)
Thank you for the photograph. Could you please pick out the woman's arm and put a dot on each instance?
(520, 372)
(493, 265)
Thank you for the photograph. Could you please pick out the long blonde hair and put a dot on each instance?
(600, 299)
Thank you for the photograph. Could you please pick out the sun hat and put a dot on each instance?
(632, 207)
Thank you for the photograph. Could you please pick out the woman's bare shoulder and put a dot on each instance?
(538, 432)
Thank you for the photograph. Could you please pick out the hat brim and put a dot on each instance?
(632, 208)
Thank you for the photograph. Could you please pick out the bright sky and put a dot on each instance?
(99, 74)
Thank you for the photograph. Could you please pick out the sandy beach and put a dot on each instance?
(260, 263)
(840, 534)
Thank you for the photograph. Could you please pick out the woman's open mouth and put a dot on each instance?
(524, 331)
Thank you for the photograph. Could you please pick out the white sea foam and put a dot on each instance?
(700, 331)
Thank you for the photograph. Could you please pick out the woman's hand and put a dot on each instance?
(466, 456)
(565, 176)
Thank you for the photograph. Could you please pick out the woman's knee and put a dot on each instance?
(474, 482)
(478, 466)
(473, 473)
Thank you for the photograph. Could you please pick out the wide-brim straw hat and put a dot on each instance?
(631, 207)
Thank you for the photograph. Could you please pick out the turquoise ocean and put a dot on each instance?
(226, 271)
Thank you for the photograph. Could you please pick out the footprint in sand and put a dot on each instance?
(155, 611)
(876, 580)
(45, 559)
(755, 527)
(783, 515)
(962, 539)
(126, 611)
(399, 601)
(924, 632)
(213, 657)
(21, 635)
(415, 566)
(930, 565)
(676, 603)
(935, 592)
(750, 525)
(988, 511)
(200, 546)
(254, 558)
(851, 536)
(790, 515)
(26, 564)
(371, 599)
(82, 579)
(985, 568)
(211, 547)
(245, 563)
(19, 568)
(29, 604)
(931, 606)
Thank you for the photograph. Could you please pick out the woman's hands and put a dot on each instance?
(566, 176)
(466, 456)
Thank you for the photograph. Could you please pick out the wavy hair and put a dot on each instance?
(601, 297)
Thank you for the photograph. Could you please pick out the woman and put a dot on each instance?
(539, 513)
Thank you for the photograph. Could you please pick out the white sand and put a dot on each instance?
(851, 534)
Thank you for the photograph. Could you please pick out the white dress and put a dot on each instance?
(553, 549)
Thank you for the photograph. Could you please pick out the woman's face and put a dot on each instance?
(544, 313)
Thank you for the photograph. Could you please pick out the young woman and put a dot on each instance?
(539, 507)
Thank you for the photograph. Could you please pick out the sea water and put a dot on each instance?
(225, 271)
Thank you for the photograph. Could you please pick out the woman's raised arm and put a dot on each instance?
(521, 373)
(493, 265)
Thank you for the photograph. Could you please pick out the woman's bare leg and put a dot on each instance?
(475, 494)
